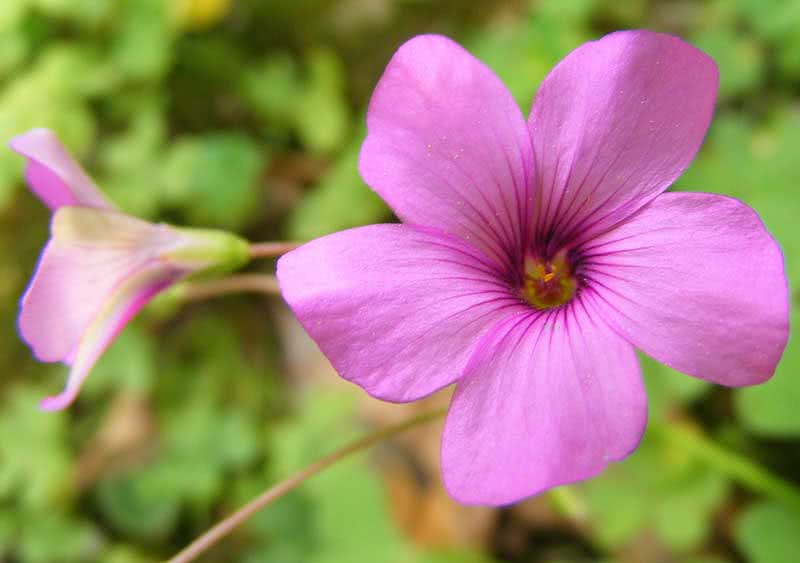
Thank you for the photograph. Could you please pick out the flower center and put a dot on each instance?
(547, 283)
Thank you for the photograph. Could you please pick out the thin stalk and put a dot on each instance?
(237, 283)
(271, 249)
(568, 503)
(730, 463)
(223, 528)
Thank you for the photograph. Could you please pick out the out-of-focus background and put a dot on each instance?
(248, 115)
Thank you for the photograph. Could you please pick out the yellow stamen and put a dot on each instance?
(547, 283)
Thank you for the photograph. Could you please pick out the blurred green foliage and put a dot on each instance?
(249, 115)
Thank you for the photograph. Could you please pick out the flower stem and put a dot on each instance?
(271, 249)
(237, 283)
(221, 529)
(731, 464)
(568, 503)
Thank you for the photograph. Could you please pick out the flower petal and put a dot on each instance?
(696, 282)
(613, 125)
(396, 309)
(53, 175)
(90, 254)
(117, 309)
(549, 398)
(447, 146)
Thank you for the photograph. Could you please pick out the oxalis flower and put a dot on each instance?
(535, 257)
(100, 266)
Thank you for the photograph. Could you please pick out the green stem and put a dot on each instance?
(568, 503)
(731, 463)
(223, 528)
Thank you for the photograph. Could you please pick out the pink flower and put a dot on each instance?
(100, 267)
(535, 257)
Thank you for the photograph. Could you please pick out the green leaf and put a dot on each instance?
(128, 364)
(659, 487)
(200, 445)
(667, 388)
(772, 19)
(321, 112)
(285, 532)
(350, 519)
(769, 533)
(683, 519)
(739, 58)
(350, 512)
(36, 463)
(12, 14)
(14, 48)
(725, 164)
(52, 537)
(313, 106)
(271, 88)
(339, 201)
(9, 530)
(49, 94)
(139, 504)
(789, 56)
(771, 408)
(214, 178)
(142, 48)
(89, 13)
(752, 162)
(132, 158)
(221, 364)
(122, 554)
(521, 54)
(222, 439)
(616, 511)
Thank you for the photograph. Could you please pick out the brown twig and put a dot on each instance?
(237, 283)
(223, 528)
(271, 249)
